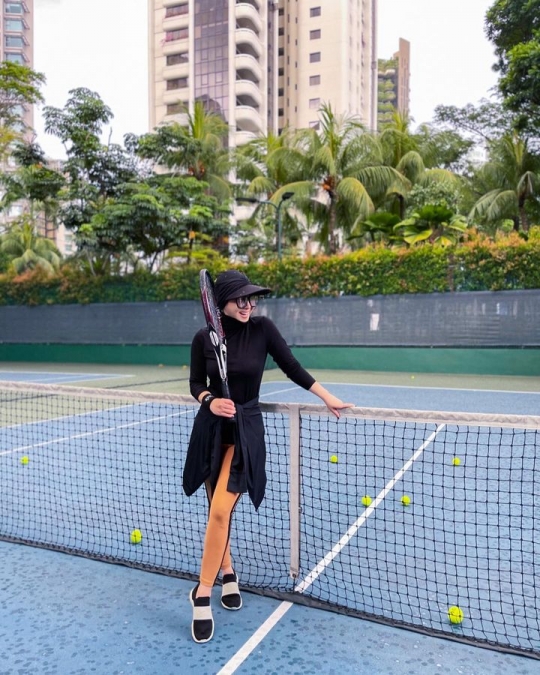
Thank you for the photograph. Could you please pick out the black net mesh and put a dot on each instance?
(399, 515)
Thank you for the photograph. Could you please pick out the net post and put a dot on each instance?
(294, 492)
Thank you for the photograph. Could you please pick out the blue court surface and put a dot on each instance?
(52, 377)
(69, 614)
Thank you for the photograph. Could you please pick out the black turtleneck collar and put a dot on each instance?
(231, 326)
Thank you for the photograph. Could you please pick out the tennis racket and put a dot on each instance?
(215, 329)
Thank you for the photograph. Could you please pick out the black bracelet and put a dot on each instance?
(205, 403)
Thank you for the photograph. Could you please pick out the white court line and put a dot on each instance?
(91, 433)
(420, 388)
(98, 411)
(241, 655)
(280, 391)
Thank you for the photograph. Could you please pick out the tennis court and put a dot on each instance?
(101, 464)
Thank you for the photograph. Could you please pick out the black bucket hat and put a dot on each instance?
(233, 284)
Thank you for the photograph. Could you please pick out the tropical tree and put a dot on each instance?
(94, 172)
(513, 26)
(195, 148)
(508, 184)
(19, 87)
(436, 224)
(344, 175)
(148, 220)
(34, 182)
(27, 250)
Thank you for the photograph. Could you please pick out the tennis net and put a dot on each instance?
(386, 514)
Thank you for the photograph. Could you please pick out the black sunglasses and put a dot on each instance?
(245, 301)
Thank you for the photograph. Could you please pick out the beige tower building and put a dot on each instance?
(17, 33)
(325, 55)
(263, 65)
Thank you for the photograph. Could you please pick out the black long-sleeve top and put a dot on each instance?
(247, 348)
(248, 345)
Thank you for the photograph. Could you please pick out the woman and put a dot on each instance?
(227, 450)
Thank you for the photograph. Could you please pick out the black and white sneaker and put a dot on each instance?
(202, 626)
(230, 593)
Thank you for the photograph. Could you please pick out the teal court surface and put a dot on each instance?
(78, 476)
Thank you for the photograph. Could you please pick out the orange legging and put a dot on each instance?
(217, 552)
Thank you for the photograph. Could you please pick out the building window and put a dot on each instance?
(176, 10)
(315, 34)
(280, 112)
(281, 51)
(180, 34)
(14, 25)
(176, 108)
(15, 57)
(14, 8)
(177, 83)
(315, 57)
(314, 103)
(315, 11)
(281, 11)
(281, 72)
(314, 125)
(14, 41)
(314, 79)
(281, 92)
(174, 59)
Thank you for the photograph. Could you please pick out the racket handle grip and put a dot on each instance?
(225, 389)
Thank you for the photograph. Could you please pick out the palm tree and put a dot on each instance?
(29, 251)
(195, 148)
(512, 173)
(344, 174)
(402, 151)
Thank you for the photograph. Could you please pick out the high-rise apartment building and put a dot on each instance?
(262, 65)
(325, 55)
(393, 87)
(16, 33)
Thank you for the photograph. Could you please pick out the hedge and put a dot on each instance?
(477, 265)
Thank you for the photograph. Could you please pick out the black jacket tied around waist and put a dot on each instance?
(203, 461)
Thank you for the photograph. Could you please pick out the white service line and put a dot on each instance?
(90, 433)
(279, 391)
(242, 654)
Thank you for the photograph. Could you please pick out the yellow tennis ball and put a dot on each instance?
(136, 537)
(455, 614)
(333, 459)
(366, 500)
(456, 461)
(160, 365)
(25, 459)
(405, 500)
(412, 377)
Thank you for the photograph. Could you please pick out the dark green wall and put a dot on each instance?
(392, 359)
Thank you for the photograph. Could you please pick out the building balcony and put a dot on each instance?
(247, 42)
(248, 17)
(178, 21)
(178, 70)
(253, 3)
(176, 96)
(249, 93)
(175, 46)
(243, 137)
(248, 119)
(245, 63)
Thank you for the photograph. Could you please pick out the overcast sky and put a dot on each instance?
(102, 45)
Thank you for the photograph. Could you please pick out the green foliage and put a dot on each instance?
(436, 223)
(26, 250)
(511, 262)
(513, 26)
